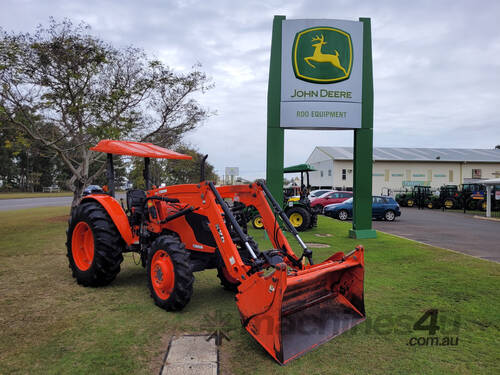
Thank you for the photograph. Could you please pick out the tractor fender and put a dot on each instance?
(115, 211)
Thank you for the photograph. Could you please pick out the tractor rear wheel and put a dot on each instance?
(170, 277)
(94, 245)
(471, 204)
(482, 205)
(449, 203)
(299, 217)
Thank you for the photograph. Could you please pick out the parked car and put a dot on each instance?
(382, 208)
(317, 193)
(330, 198)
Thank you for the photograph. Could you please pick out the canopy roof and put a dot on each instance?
(298, 168)
(145, 150)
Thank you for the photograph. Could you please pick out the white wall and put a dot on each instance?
(392, 174)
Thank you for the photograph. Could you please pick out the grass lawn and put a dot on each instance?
(49, 324)
(35, 195)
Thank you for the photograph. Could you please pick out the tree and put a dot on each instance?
(68, 89)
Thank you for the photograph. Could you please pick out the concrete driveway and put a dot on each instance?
(449, 230)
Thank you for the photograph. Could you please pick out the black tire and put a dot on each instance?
(303, 218)
(171, 250)
(108, 245)
(343, 215)
(482, 205)
(257, 222)
(449, 203)
(225, 281)
(314, 220)
(471, 204)
(389, 215)
(410, 202)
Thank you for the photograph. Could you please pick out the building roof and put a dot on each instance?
(419, 154)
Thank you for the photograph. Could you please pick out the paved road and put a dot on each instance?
(19, 204)
(450, 230)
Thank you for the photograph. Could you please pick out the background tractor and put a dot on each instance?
(420, 195)
(449, 196)
(286, 302)
(296, 202)
(469, 196)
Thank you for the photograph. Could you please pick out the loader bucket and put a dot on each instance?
(291, 312)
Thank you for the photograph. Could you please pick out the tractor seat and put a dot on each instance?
(135, 201)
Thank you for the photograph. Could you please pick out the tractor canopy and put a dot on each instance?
(129, 148)
(298, 168)
(145, 150)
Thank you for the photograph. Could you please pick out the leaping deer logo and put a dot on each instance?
(320, 57)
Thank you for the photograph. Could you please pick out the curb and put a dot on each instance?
(486, 218)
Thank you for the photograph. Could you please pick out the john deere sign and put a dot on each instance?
(321, 67)
(321, 77)
(311, 61)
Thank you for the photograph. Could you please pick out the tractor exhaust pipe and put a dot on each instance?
(202, 168)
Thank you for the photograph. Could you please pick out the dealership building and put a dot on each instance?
(395, 168)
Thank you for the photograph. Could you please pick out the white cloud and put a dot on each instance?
(436, 66)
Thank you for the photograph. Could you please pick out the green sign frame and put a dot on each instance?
(363, 137)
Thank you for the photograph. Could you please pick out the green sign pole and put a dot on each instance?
(363, 148)
(275, 134)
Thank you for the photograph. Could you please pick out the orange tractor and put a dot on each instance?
(287, 304)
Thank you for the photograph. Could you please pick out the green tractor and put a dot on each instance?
(296, 202)
(449, 196)
(419, 195)
(470, 196)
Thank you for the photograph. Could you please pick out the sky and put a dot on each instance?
(436, 66)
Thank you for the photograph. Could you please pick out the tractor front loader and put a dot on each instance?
(286, 302)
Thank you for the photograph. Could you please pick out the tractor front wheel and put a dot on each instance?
(257, 222)
(94, 245)
(226, 280)
(299, 217)
(170, 277)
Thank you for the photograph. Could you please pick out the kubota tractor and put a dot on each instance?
(288, 306)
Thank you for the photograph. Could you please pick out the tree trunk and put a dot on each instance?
(77, 194)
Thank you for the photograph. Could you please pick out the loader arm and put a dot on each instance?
(288, 307)
(253, 195)
(202, 197)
